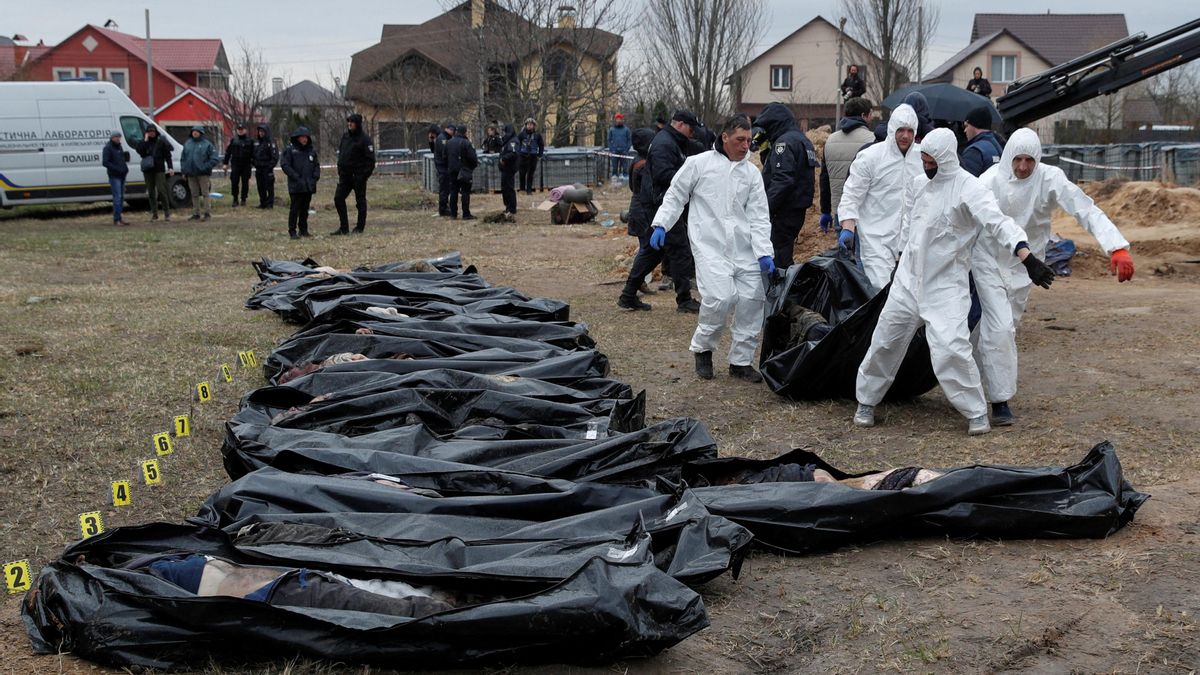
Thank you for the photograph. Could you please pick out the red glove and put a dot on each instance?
(1121, 264)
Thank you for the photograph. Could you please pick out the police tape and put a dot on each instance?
(606, 153)
(1089, 165)
(18, 574)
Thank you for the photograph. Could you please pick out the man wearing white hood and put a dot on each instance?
(729, 226)
(944, 214)
(873, 196)
(1028, 192)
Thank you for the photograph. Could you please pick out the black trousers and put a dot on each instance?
(460, 192)
(444, 185)
(239, 175)
(784, 230)
(346, 184)
(508, 191)
(677, 250)
(527, 167)
(264, 178)
(298, 214)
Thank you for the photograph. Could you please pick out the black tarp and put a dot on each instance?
(1087, 500)
(486, 522)
(827, 368)
(88, 605)
(636, 457)
(355, 403)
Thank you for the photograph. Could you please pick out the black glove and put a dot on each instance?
(1038, 271)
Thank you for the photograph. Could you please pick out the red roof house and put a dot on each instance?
(190, 75)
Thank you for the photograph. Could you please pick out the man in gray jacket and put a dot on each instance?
(198, 159)
(854, 131)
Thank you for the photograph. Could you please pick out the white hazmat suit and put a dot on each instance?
(1001, 281)
(729, 226)
(874, 196)
(943, 217)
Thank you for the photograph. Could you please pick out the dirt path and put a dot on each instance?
(1099, 361)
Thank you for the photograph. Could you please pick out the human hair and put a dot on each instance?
(734, 122)
(858, 106)
(977, 70)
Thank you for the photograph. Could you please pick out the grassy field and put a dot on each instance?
(107, 331)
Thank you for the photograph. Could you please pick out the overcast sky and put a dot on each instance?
(313, 39)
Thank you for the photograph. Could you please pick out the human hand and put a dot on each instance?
(1121, 264)
(826, 222)
(657, 238)
(1039, 272)
(846, 240)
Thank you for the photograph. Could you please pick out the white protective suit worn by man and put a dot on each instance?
(1028, 192)
(943, 217)
(873, 196)
(729, 226)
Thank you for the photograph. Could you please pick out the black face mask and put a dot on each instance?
(930, 173)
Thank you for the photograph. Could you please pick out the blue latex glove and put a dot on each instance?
(846, 240)
(826, 223)
(766, 264)
(657, 238)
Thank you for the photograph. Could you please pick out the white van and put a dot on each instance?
(51, 136)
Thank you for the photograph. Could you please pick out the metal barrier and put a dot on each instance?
(559, 166)
(1171, 163)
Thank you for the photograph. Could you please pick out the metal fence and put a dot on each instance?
(1170, 163)
(559, 166)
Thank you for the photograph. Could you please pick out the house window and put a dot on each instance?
(1004, 67)
(781, 77)
(212, 80)
(61, 74)
(94, 73)
(119, 77)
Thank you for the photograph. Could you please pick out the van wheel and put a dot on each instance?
(180, 196)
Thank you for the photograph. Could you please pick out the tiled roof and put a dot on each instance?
(305, 93)
(1056, 37)
(175, 55)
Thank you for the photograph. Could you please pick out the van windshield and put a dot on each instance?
(133, 128)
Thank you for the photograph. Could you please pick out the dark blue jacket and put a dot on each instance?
(508, 151)
(620, 139)
(461, 159)
(266, 154)
(981, 153)
(530, 143)
(115, 159)
(300, 164)
(789, 168)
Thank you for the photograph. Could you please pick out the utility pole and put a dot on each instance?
(149, 69)
(920, 37)
(841, 31)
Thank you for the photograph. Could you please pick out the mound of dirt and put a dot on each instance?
(1142, 203)
(818, 137)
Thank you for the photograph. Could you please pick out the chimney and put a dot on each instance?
(276, 85)
(566, 16)
(478, 10)
(338, 89)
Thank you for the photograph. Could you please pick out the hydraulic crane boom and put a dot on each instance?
(1103, 71)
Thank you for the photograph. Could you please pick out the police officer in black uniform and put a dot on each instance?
(788, 176)
(355, 164)
(440, 162)
(239, 159)
(667, 152)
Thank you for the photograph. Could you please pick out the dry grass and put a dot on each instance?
(107, 330)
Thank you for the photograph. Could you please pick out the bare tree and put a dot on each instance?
(545, 59)
(1176, 93)
(890, 29)
(698, 43)
(248, 85)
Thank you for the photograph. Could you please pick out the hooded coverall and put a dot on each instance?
(943, 217)
(1002, 284)
(874, 197)
(729, 226)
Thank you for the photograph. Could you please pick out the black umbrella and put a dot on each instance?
(946, 101)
